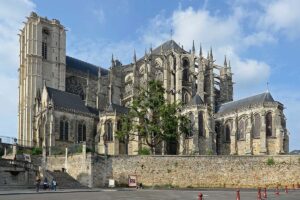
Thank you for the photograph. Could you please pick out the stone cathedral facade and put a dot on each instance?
(64, 101)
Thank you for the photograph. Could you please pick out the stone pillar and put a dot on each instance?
(263, 135)
(248, 137)
(116, 141)
(279, 131)
(84, 150)
(233, 142)
(15, 150)
(210, 138)
(178, 77)
(66, 159)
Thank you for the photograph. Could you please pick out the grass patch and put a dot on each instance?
(144, 151)
(270, 161)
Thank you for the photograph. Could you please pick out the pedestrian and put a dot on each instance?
(45, 183)
(37, 183)
(53, 184)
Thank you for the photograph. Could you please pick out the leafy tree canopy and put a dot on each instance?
(152, 119)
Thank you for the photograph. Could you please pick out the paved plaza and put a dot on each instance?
(102, 194)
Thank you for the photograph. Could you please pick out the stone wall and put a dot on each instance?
(182, 171)
(206, 171)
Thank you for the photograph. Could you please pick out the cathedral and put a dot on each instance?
(65, 101)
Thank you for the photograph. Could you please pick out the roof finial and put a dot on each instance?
(112, 60)
(99, 72)
(268, 87)
(208, 55)
(211, 54)
(151, 48)
(171, 33)
(225, 62)
(161, 49)
(200, 52)
(134, 56)
(193, 48)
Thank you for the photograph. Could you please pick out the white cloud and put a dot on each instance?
(282, 16)
(259, 39)
(12, 14)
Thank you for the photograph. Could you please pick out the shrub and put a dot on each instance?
(36, 151)
(270, 161)
(144, 151)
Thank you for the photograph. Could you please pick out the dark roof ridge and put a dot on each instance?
(267, 92)
(51, 88)
(87, 62)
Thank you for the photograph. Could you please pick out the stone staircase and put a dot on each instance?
(64, 180)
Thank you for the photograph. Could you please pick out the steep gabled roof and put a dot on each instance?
(196, 100)
(80, 65)
(116, 108)
(68, 101)
(253, 100)
(167, 46)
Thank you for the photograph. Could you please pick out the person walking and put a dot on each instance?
(54, 183)
(37, 183)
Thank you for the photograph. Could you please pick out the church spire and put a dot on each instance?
(225, 62)
(112, 60)
(193, 48)
(134, 56)
(161, 49)
(211, 54)
(200, 52)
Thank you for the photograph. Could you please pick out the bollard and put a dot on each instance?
(286, 189)
(200, 196)
(238, 197)
(259, 194)
(277, 191)
(265, 193)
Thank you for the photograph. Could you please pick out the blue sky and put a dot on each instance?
(261, 38)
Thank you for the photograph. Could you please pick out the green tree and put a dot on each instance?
(152, 119)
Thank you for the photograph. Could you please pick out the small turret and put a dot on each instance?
(200, 51)
(112, 60)
(193, 47)
(211, 55)
(134, 56)
(225, 62)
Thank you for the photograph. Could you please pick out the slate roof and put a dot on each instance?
(118, 108)
(68, 101)
(168, 45)
(84, 66)
(253, 100)
(196, 100)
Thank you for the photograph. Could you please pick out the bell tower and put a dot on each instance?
(42, 59)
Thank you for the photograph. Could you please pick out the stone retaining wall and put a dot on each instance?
(207, 171)
(183, 171)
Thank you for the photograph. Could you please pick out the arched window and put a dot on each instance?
(269, 124)
(109, 133)
(257, 125)
(191, 125)
(185, 98)
(227, 132)
(63, 130)
(81, 133)
(201, 124)
(185, 71)
(45, 39)
(241, 129)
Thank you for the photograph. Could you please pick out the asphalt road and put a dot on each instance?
(145, 195)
